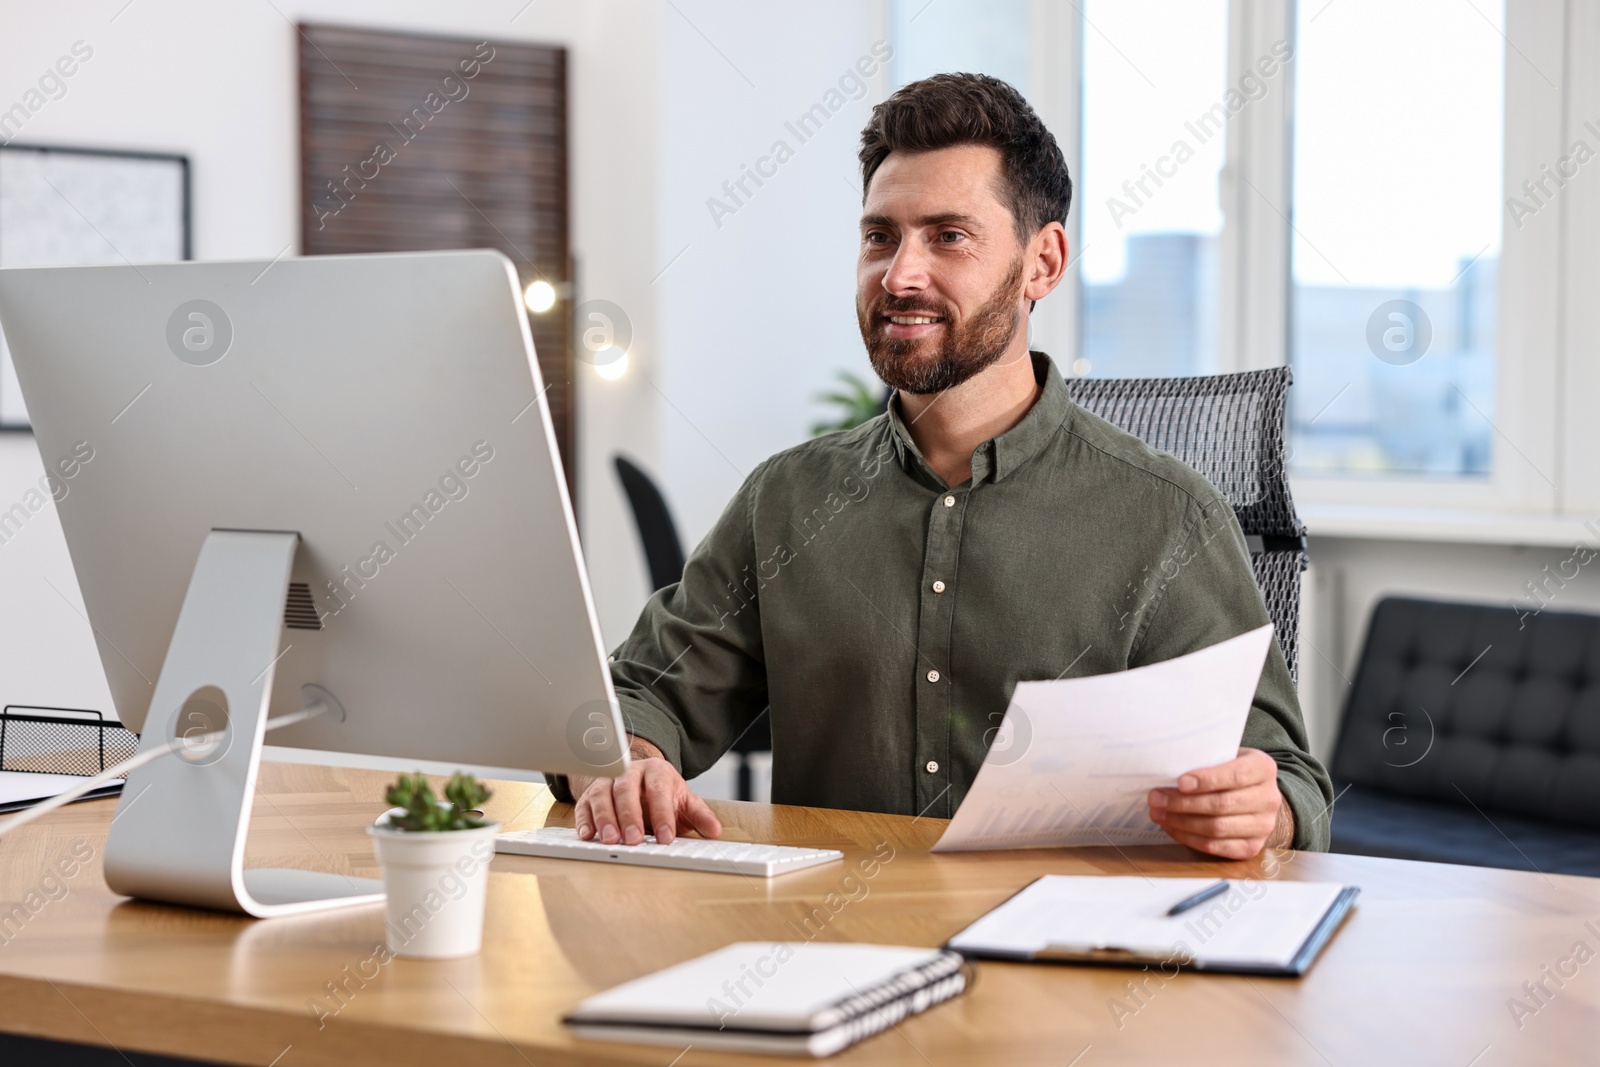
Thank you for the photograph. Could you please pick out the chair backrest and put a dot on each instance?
(663, 552)
(1478, 704)
(1229, 427)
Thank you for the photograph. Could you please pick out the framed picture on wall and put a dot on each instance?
(80, 206)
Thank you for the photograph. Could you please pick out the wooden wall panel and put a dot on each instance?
(409, 143)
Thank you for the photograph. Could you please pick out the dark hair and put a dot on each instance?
(955, 109)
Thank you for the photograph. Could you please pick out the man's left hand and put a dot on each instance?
(1233, 810)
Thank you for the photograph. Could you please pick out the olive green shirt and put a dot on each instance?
(885, 617)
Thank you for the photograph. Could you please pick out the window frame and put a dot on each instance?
(1546, 444)
(1524, 472)
(1057, 96)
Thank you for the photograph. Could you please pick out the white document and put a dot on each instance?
(1256, 925)
(1075, 759)
(21, 789)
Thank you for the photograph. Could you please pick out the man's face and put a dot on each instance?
(939, 281)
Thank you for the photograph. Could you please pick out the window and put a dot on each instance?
(1154, 137)
(1398, 156)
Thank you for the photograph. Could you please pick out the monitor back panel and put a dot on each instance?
(388, 409)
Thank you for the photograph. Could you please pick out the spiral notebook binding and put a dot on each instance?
(894, 990)
(884, 1015)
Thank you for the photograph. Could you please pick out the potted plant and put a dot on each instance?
(856, 402)
(435, 856)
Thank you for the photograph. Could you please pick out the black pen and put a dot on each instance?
(1199, 898)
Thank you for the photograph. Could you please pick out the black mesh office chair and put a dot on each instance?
(1229, 427)
(663, 553)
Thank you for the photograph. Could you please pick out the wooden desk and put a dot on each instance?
(1420, 974)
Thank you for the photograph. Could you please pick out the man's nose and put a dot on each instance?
(908, 271)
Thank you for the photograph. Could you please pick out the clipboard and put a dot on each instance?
(1120, 922)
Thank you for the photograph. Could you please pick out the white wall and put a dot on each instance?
(758, 312)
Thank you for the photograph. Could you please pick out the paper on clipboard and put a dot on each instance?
(1075, 759)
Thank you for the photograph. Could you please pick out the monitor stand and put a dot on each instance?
(179, 832)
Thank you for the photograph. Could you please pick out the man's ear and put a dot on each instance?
(1047, 253)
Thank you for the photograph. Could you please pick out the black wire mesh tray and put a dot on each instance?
(66, 741)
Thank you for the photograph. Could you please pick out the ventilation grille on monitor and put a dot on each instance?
(300, 611)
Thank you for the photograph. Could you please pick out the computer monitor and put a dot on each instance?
(328, 481)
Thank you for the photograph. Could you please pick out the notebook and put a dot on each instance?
(1256, 927)
(795, 998)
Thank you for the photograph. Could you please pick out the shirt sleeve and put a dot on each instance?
(691, 677)
(1208, 593)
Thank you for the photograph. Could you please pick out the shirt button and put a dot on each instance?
(949, 501)
(938, 587)
(932, 766)
(933, 676)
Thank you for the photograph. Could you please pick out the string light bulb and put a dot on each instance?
(611, 363)
(540, 297)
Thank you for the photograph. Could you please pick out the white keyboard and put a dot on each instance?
(685, 853)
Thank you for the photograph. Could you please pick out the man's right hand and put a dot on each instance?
(651, 797)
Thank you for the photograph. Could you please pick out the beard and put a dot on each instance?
(969, 347)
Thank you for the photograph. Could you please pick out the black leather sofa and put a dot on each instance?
(1472, 735)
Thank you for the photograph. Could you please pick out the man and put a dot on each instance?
(885, 588)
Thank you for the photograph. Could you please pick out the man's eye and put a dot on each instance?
(950, 237)
(876, 237)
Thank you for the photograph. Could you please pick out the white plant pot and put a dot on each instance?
(436, 885)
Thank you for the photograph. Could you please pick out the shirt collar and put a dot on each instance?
(997, 457)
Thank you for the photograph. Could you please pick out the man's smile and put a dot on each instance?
(910, 326)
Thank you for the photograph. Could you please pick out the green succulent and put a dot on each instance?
(424, 812)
